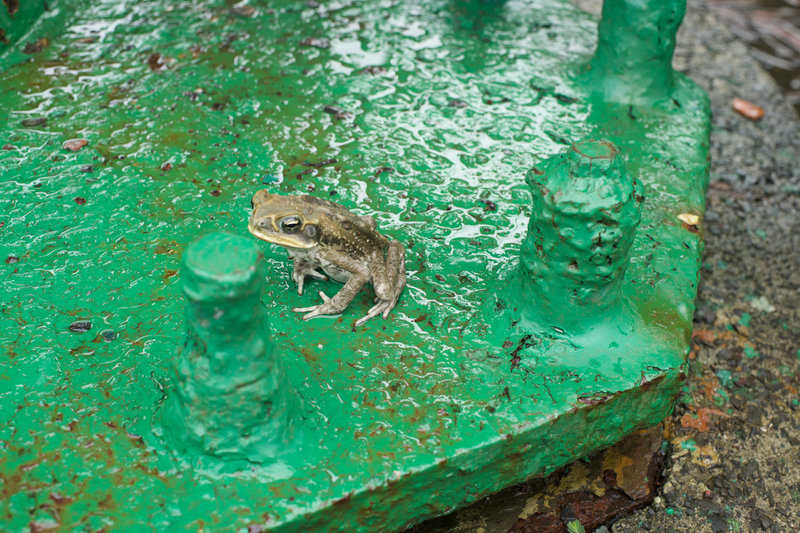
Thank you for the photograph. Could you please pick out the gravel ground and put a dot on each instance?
(735, 435)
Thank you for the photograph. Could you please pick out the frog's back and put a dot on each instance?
(344, 230)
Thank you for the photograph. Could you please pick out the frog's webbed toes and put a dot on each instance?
(382, 307)
(317, 310)
(299, 280)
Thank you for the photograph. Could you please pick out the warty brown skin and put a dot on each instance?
(320, 234)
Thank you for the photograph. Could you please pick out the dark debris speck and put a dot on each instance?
(33, 122)
(490, 205)
(36, 46)
(227, 41)
(243, 11)
(157, 62)
(337, 112)
(80, 326)
(315, 42)
(381, 170)
(318, 164)
(374, 69)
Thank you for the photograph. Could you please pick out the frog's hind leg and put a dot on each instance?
(337, 304)
(388, 280)
(358, 277)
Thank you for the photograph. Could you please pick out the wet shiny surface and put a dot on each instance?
(426, 116)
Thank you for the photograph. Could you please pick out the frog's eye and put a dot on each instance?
(291, 224)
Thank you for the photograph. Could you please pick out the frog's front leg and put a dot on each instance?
(388, 280)
(303, 268)
(359, 276)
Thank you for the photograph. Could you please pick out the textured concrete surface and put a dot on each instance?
(735, 457)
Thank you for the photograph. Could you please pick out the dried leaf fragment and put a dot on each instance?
(689, 219)
(316, 42)
(36, 46)
(706, 336)
(748, 109)
(157, 62)
(73, 145)
(705, 456)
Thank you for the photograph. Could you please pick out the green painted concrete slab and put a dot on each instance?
(425, 115)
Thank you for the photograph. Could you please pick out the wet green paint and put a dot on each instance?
(230, 400)
(426, 116)
(28, 26)
(633, 60)
(585, 210)
(16, 19)
(744, 320)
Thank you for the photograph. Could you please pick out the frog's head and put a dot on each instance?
(288, 221)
